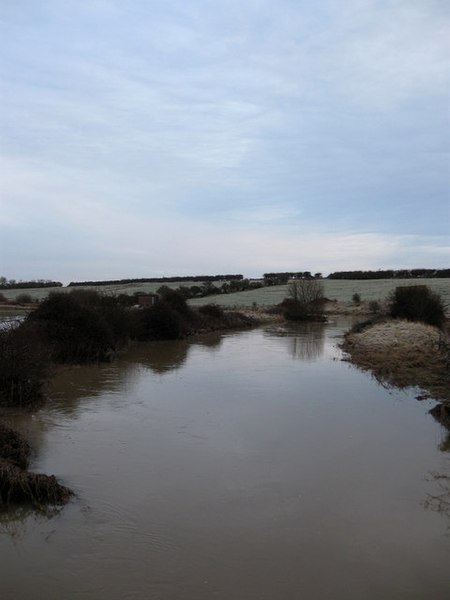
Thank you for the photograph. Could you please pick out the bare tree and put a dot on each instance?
(305, 299)
(306, 291)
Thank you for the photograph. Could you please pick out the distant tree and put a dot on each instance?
(305, 300)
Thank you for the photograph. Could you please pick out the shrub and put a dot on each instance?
(18, 486)
(74, 327)
(417, 303)
(294, 310)
(3, 298)
(13, 447)
(305, 301)
(374, 306)
(126, 300)
(356, 299)
(211, 310)
(24, 364)
(175, 299)
(24, 299)
(159, 322)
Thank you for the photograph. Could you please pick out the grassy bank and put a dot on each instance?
(404, 354)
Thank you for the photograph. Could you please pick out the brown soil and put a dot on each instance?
(404, 354)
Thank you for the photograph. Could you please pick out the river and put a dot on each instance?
(253, 465)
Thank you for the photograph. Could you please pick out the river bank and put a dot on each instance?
(405, 354)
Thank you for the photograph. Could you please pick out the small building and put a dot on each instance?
(147, 299)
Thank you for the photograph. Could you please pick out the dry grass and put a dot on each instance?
(404, 354)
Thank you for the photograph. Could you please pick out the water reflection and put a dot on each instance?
(70, 385)
(303, 341)
(439, 500)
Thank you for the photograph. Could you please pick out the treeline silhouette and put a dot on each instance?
(283, 277)
(12, 284)
(391, 274)
(233, 277)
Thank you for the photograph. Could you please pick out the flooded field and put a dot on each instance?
(247, 466)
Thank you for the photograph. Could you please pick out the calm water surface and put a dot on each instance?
(248, 466)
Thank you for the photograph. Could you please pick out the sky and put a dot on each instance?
(185, 137)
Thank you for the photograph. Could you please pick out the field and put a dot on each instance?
(129, 288)
(341, 290)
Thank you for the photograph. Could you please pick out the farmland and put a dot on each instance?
(340, 290)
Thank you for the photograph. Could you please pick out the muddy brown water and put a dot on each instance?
(247, 466)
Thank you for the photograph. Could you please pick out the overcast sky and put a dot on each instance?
(165, 137)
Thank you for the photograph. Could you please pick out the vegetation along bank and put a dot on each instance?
(82, 326)
(404, 343)
(408, 347)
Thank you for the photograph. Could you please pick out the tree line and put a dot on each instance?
(230, 277)
(391, 274)
(12, 284)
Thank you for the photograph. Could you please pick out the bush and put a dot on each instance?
(374, 306)
(74, 328)
(159, 322)
(356, 299)
(175, 299)
(24, 299)
(13, 447)
(18, 486)
(24, 364)
(211, 310)
(417, 303)
(305, 302)
(3, 298)
(294, 310)
(126, 300)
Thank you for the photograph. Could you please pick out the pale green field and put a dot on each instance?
(267, 296)
(39, 293)
(342, 291)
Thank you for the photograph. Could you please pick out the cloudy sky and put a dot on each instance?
(165, 137)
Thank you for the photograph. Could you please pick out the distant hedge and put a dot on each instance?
(12, 284)
(158, 280)
(391, 274)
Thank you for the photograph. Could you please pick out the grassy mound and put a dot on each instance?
(402, 353)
